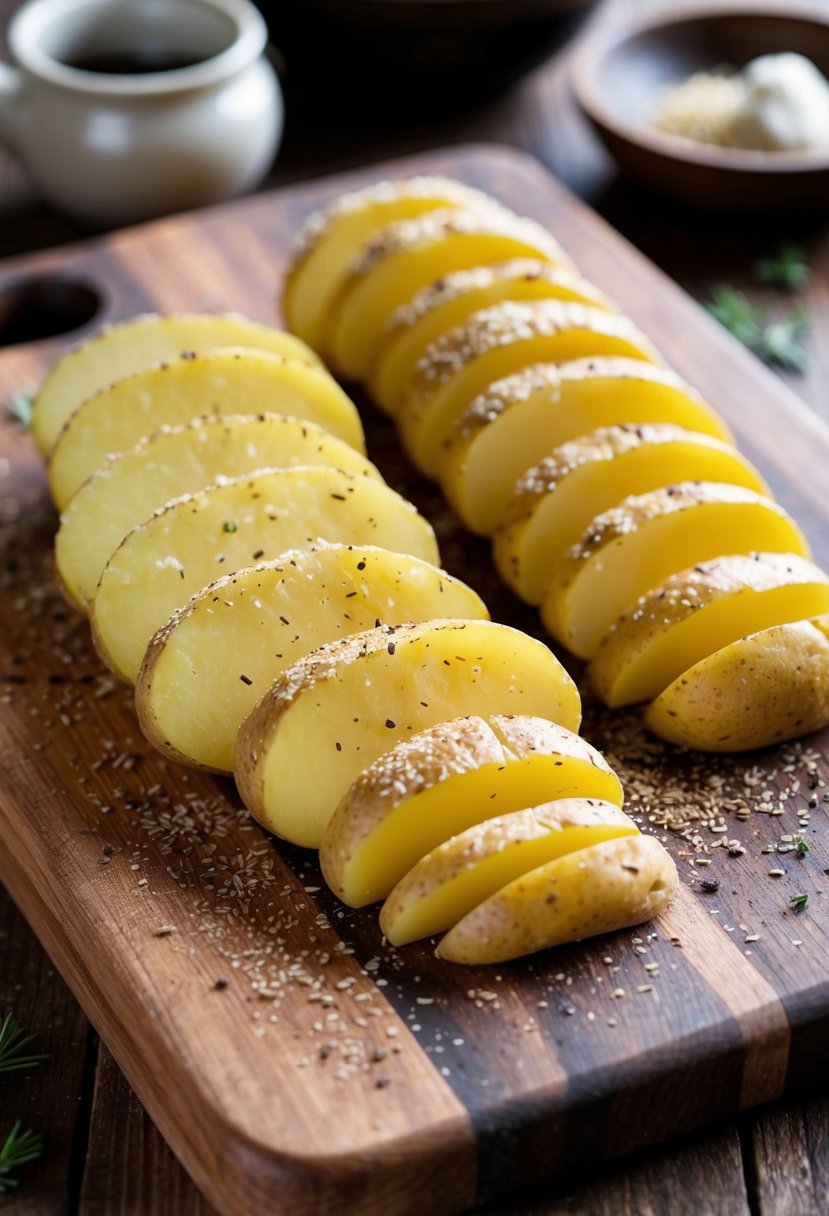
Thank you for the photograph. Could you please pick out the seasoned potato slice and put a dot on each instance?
(492, 344)
(553, 502)
(141, 342)
(216, 383)
(764, 688)
(261, 620)
(335, 711)
(199, 537)
(443, 780)
(606, 886)
(128, 487)
(448, 883)
(697, 611)
(635, 546)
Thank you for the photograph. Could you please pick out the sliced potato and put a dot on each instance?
(260, 621)
(443, 780)
(697, 611)
(492, 344)
(635, 546)
(448, 883)
(199, 537)
(335, 711)
(758, 691)
(554, 502)
(606, 886)
(141, 342)
(215, 383)
(173, 461)
(450, 301)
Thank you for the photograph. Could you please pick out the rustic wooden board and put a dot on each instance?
(293, 1061)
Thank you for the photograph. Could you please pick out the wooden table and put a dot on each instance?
(104, 1157)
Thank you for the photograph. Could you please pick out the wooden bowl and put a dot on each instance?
(618, 75)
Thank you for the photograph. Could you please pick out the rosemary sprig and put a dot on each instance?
(797, 903)
(786, 267)
(782, 341)
(13, 1043)
(779, 341)
(19, 1148)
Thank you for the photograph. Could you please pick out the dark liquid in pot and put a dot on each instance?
(133, 62)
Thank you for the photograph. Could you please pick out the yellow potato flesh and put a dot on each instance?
(758, 691)
(489, 449)
(331, 715)
(128, 487)
(555, 501)
(215, 383)
(698, 611)
(259, 621)
(142, 342)
(227, 527)
(454, 878)
(638, 544)
(606, 886)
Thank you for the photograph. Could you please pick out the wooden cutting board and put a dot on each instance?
(294, 1062)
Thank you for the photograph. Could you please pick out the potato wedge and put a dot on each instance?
(262, 620)
(697, 611)
(400, 260)
(198, 537)
(492, 344)
(173, 461)
(450, 302)
(635, 546)
(141, 342)
(448, 883)
(215, 383)
(444, 780)
(554, 502)
(758, 691)
(335, 711)
(604, 887)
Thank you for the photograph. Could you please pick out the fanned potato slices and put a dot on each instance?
(636, 545)
(554, 502)
(521, 419)
(450, 301)
(331, 239)
(448, 883)
(401, 259)
(334, 712)
(697, 611)
(493, 344)
(598, 889)
(200, 537)
(215, 383)
(128, 487)
(758, 691)
(122, 349)
(444, 780)
(215, 658)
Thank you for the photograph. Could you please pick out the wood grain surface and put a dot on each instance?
(541, 1066)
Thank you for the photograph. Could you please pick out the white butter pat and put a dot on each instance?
(785, 106)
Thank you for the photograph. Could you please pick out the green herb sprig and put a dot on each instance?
(798, 903)
(19, 406)
(779, 341)
(786, 267)
(19, 1148)
(13, 1043)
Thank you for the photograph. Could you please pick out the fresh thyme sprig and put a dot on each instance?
(13, 1043)
(778, 341)
(19, 1148)
(786, 267)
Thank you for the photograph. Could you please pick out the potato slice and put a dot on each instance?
(554, 502)
(446, 779)
(635, 546)
(448, 883)
(199, 537)
(331, 239)
(758, 691)
(129, 347)
(492, 344)
(450, 301)
(521, 419)
(604, 887)
(401, 259)
(215, 383)
(697, 611)
(263, 620)
(128, 487)
(334, 712)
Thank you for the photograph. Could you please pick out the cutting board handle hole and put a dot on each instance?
(32, 309)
